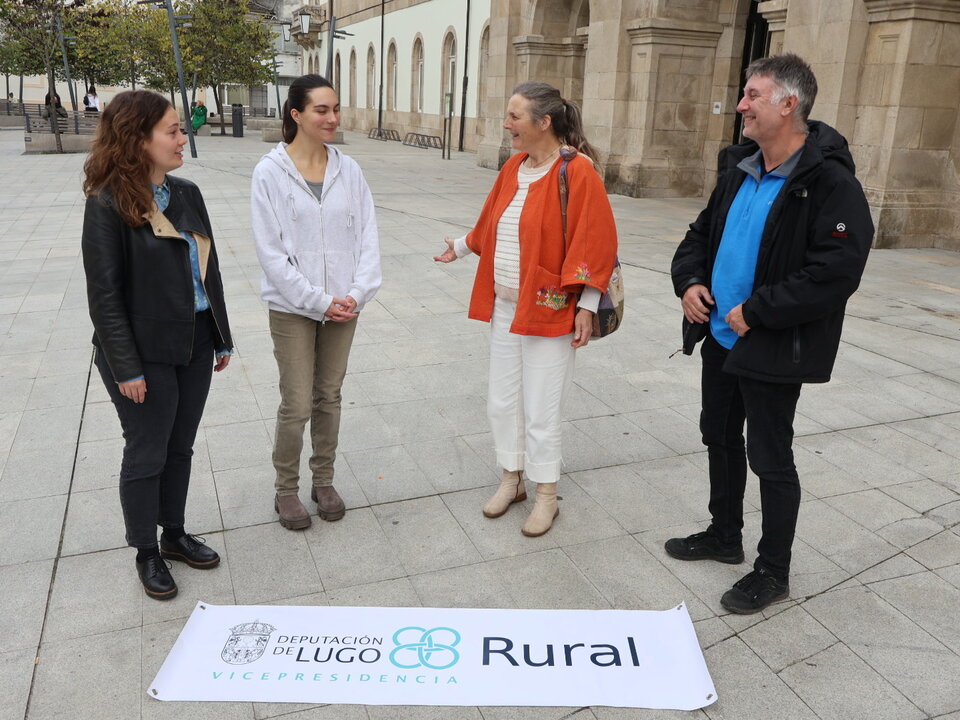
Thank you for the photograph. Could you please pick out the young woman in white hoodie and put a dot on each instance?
(316, 237)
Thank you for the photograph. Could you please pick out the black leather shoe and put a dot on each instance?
(753, 592)
(156, 578)
(704, 546)
(189, 549)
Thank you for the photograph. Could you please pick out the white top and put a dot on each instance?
(506, 260)
(312, 250)
(93, 101)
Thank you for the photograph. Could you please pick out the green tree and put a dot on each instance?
(155, 64)
(226, 45)
(102, 49)
(32, 24)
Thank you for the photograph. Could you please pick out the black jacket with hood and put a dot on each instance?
(140, 281)
(812, 254)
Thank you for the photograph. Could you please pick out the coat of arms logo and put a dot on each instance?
(246, 643)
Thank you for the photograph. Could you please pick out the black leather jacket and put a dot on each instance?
(812, 254)
(140, 283)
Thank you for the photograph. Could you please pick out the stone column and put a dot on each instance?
(775, 13)
(906, 140)
(658, 143)
(505, 24)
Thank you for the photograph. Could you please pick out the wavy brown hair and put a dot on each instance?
(118, 163)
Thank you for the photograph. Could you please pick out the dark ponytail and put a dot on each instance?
(297, 98)
(565, 117)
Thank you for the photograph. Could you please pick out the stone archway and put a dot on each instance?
(553, 48)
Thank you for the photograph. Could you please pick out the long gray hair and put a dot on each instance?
(565, 118)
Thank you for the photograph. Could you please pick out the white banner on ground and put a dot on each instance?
(437, 656)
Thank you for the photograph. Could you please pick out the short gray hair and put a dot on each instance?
(792, 76)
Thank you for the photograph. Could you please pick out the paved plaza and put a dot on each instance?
(870, 630)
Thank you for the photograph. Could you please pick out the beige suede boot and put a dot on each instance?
(293, 515)
(511, 491)
(545, 509)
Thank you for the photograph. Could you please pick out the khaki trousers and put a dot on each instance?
(312, 359)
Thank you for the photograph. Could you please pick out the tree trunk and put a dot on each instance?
(173, 98)
(54, 118)
(133, 75)
(219, 104)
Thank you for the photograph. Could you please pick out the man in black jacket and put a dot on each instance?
(764, 274)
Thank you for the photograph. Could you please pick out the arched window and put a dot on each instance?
(392, 76)
(482, 74)
(336, 74)
(416, 80)
(371, 76)
(353, 77)
(448, 71)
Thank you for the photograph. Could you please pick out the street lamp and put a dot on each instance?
(66, 64)
(173, 20)
(285, 29)
(304, 22)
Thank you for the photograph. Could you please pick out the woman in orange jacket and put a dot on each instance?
(538, 287)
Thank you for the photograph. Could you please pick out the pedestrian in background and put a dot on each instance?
(160, 324)
(91, 101)
(765, 271)
(315, 232)
(51, 108)
(538, 289)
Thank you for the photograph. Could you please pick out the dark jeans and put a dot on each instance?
(768, 409)
(159, 435)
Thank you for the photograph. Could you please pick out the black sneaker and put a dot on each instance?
(704, 546)
(753, 592)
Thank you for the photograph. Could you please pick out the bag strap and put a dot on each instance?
(568, 154)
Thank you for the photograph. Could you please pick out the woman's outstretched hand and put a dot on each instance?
(447, 255)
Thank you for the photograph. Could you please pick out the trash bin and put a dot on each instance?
(237, 120)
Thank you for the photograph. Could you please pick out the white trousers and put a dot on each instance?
(529, 377)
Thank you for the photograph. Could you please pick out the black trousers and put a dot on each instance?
(159, 435)
(769, 410)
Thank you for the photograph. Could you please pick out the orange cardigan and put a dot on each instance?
(551, 275)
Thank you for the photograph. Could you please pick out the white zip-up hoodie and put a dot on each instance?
(314, 250)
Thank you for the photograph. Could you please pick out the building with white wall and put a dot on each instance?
(418, 54)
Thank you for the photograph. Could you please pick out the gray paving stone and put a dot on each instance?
(386, 593)
(914, 662)
(900, 565)
(352, 551)
(289, 711)
(469, 586)
(902, 450)
(939, 551)
(631, 578)
(47, 429)
(871, 509)
(922, 598)
(388, 474)
(105, 666)
(61, 391)
(94, 522)
(787, 638)
(634, 503)
(567, 587)
(23, 592)
(909, 532)
(923, 495)
(840, 539)
(747, 688)
(98, 464)
(34, 474)
(836, 684)
(17, 670)
(536, 713)
(228, 405)
(426, 535)
(268, 562)
(45, 516)
(388, 712)
(238, 445)
(450, 464)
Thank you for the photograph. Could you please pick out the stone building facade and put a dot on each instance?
(659, 81)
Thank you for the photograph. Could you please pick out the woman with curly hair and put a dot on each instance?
(160, 323)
